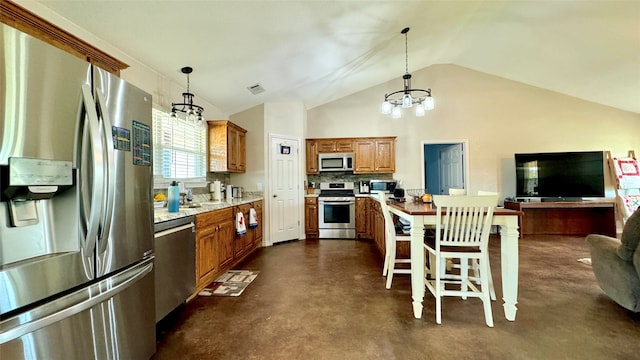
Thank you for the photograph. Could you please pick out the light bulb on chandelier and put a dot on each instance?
(393, 102)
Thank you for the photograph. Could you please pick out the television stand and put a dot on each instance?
(560, 199)
(576, 218)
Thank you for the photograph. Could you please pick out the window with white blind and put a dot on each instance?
(179, 150)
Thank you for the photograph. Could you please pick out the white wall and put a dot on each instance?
(498, 117)
(163, 90)
(284, 119)
(252, 120)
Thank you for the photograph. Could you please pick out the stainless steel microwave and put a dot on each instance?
(335, 162)
(386, 186)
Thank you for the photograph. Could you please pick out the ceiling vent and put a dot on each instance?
(256, 89)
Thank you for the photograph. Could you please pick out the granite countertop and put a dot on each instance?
(203, 204)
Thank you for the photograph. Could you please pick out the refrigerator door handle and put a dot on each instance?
(97, 175)
(89, 297)
(110, 172)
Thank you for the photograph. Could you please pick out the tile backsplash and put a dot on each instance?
(345, 177)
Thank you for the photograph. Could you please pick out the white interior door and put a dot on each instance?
(451, 168)
(284, 189)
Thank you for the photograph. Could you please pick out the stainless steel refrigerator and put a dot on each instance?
(76, 221)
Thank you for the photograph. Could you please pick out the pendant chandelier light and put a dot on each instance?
(193, 112)
(407, 97)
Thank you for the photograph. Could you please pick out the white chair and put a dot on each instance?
(390, 240)
(450, 263)
(475, 267)
(474, 262)
(462, 232)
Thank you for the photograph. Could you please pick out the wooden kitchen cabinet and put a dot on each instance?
(362, 218)
(364, 157)
(377, 226)
(385, 157)
(218, 248)
(28, 22)
(312, 156)
(371, 155)
(257, 238)
(338, 145)
(374, 155)
(214, 244)
(243, 243)
(227, 145)
(311, 217)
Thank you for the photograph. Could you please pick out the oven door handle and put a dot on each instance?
(336, 202)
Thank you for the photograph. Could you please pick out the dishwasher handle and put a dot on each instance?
(176, 229)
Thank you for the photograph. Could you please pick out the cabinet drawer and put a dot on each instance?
(344, 145)
(206, 222)
(244, 208)
(258, 206)
(311, 201)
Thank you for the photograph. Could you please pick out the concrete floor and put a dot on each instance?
(325, 299)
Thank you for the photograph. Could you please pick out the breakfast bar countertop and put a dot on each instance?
(203, 204)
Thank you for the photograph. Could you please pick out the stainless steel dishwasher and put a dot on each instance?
(175, 268)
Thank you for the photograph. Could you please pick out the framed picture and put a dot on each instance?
(285, 149)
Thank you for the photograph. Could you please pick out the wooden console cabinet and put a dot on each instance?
(566, 218)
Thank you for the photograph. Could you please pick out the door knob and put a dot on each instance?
(275, 196)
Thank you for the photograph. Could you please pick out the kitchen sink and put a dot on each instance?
(190, 206)
(209, 203)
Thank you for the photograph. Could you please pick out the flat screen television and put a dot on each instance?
(560, 176)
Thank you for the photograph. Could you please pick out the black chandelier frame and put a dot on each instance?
(421, 94)
(187, 106)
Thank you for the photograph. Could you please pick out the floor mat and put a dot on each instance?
(231, 283)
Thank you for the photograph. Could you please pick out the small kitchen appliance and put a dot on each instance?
(386, 186)
(364, 187)
(335, 162)
(236, 192)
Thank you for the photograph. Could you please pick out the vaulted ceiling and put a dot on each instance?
(318, 51)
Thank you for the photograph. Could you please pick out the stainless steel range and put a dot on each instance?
(337, 208)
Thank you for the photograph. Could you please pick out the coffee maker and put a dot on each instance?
(364, 187)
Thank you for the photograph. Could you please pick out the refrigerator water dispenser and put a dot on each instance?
(27, 180)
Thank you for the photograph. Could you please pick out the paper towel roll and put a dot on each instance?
(229, 193)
